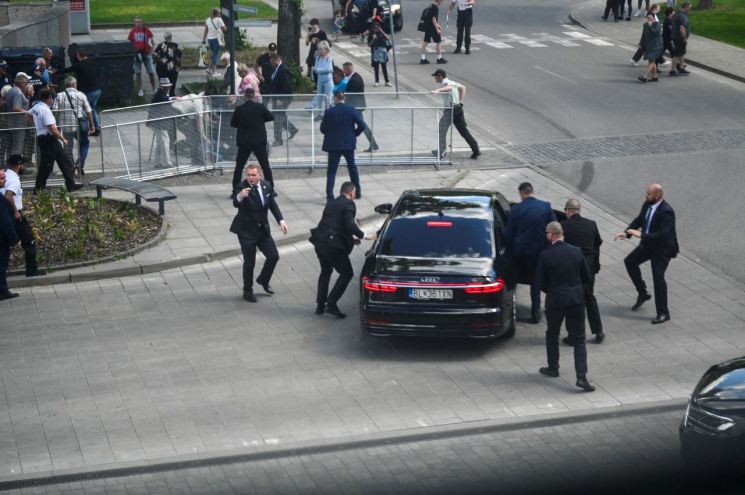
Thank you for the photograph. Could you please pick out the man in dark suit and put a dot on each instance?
(250, 119)
(334, 238)
(254, 198)
(340, 126)
(280, 83)
(8, 239)
(562, 274)
(356, 97)
(655, 226)
(583, 233)
(526, 238)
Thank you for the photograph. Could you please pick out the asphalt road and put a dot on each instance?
(533, 78)
(630, 453)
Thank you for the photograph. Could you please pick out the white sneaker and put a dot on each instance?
(634, 62)
(388, 84)
(666, 62)
(376, 84)
(638, 13)
(140, 93)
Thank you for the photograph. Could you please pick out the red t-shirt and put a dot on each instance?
(140, 39)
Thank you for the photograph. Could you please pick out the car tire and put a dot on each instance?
(512, 325)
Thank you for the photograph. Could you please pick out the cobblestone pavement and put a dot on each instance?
(627, 146)
(635, 453)
(135, 369)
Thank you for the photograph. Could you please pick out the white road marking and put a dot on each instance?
(532, 44)
(480, 38)
(598, 42)
(498, 44)
(554, 74)
(565, 42)
(514, 36)
(576, 34)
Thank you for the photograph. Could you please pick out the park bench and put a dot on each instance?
(151, 192)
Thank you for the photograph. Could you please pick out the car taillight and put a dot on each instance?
(439, 223)
(372, 285)
(484, 288)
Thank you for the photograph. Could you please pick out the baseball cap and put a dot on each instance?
(439, 72)
(164, 82)
(272, 47)
(15, 160)
(4, 64)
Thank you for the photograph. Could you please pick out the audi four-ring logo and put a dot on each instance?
(430, 279)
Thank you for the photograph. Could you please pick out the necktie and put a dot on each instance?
(648, 220)
(258, 192)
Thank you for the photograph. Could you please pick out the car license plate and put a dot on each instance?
(430, 293)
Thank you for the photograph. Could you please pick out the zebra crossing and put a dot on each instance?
(568, 38)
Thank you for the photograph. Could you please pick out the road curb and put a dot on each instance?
(336, 445)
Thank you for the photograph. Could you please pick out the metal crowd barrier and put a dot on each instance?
(194, 134)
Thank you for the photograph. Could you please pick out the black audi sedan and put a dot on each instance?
(713, 429)
(438, 267)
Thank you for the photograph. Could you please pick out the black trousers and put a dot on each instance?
(28, 242)
(51, 150)
(593, 312)
(248, 248)
(464, 23)
(262, 157)
(332, 259)
(575, 323)
(281, 122)
(659, 264)
(457, 118)
(525, 266)
(610, 5)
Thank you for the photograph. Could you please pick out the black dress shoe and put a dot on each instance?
(468, 51)
(334, 310)
(320, 308)
(357, 195)
(599, 337)
(549, 371)
(74, 187)
(8, 295)
(535, 318)
(292, 134)
(249, 296)
(475, 155)
(267, 288)
(584, 385)
(641, 299)
(36, 273)
(372, 148)
(457, 50)
(568, 341)
(660, 319)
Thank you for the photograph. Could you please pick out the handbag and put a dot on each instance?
(220, 34)
(82, 121)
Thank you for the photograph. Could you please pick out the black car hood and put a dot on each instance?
(403, 266)
(725, 381)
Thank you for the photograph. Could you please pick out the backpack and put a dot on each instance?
(424, 20)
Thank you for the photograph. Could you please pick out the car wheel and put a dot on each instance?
(511, 326)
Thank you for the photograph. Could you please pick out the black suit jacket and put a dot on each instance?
(250, 118)
(252, 219)
(662, 238)
(338, 221)
(584, 234)
(356, 85)
(281, 84)
(8, 235)
(562, 274)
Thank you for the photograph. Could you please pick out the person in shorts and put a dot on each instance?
(432, 33)
(142, 40)
(680, 31)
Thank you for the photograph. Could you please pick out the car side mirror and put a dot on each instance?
(384, 209)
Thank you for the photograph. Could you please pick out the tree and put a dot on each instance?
(288, 29)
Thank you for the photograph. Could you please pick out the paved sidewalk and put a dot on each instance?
(149, 368)
(724, 59)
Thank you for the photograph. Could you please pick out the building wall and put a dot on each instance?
(34, 25)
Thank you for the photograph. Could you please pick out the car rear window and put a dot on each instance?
(437, 237)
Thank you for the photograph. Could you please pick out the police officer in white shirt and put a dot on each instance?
(465, 21)
(51, 144)
(13, 194)
(453, 92)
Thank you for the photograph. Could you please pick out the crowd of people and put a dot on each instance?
(671, 36)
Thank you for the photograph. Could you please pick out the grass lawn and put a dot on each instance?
(725, 22)
(123, 11)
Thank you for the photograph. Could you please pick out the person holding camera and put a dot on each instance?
(142, 40)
